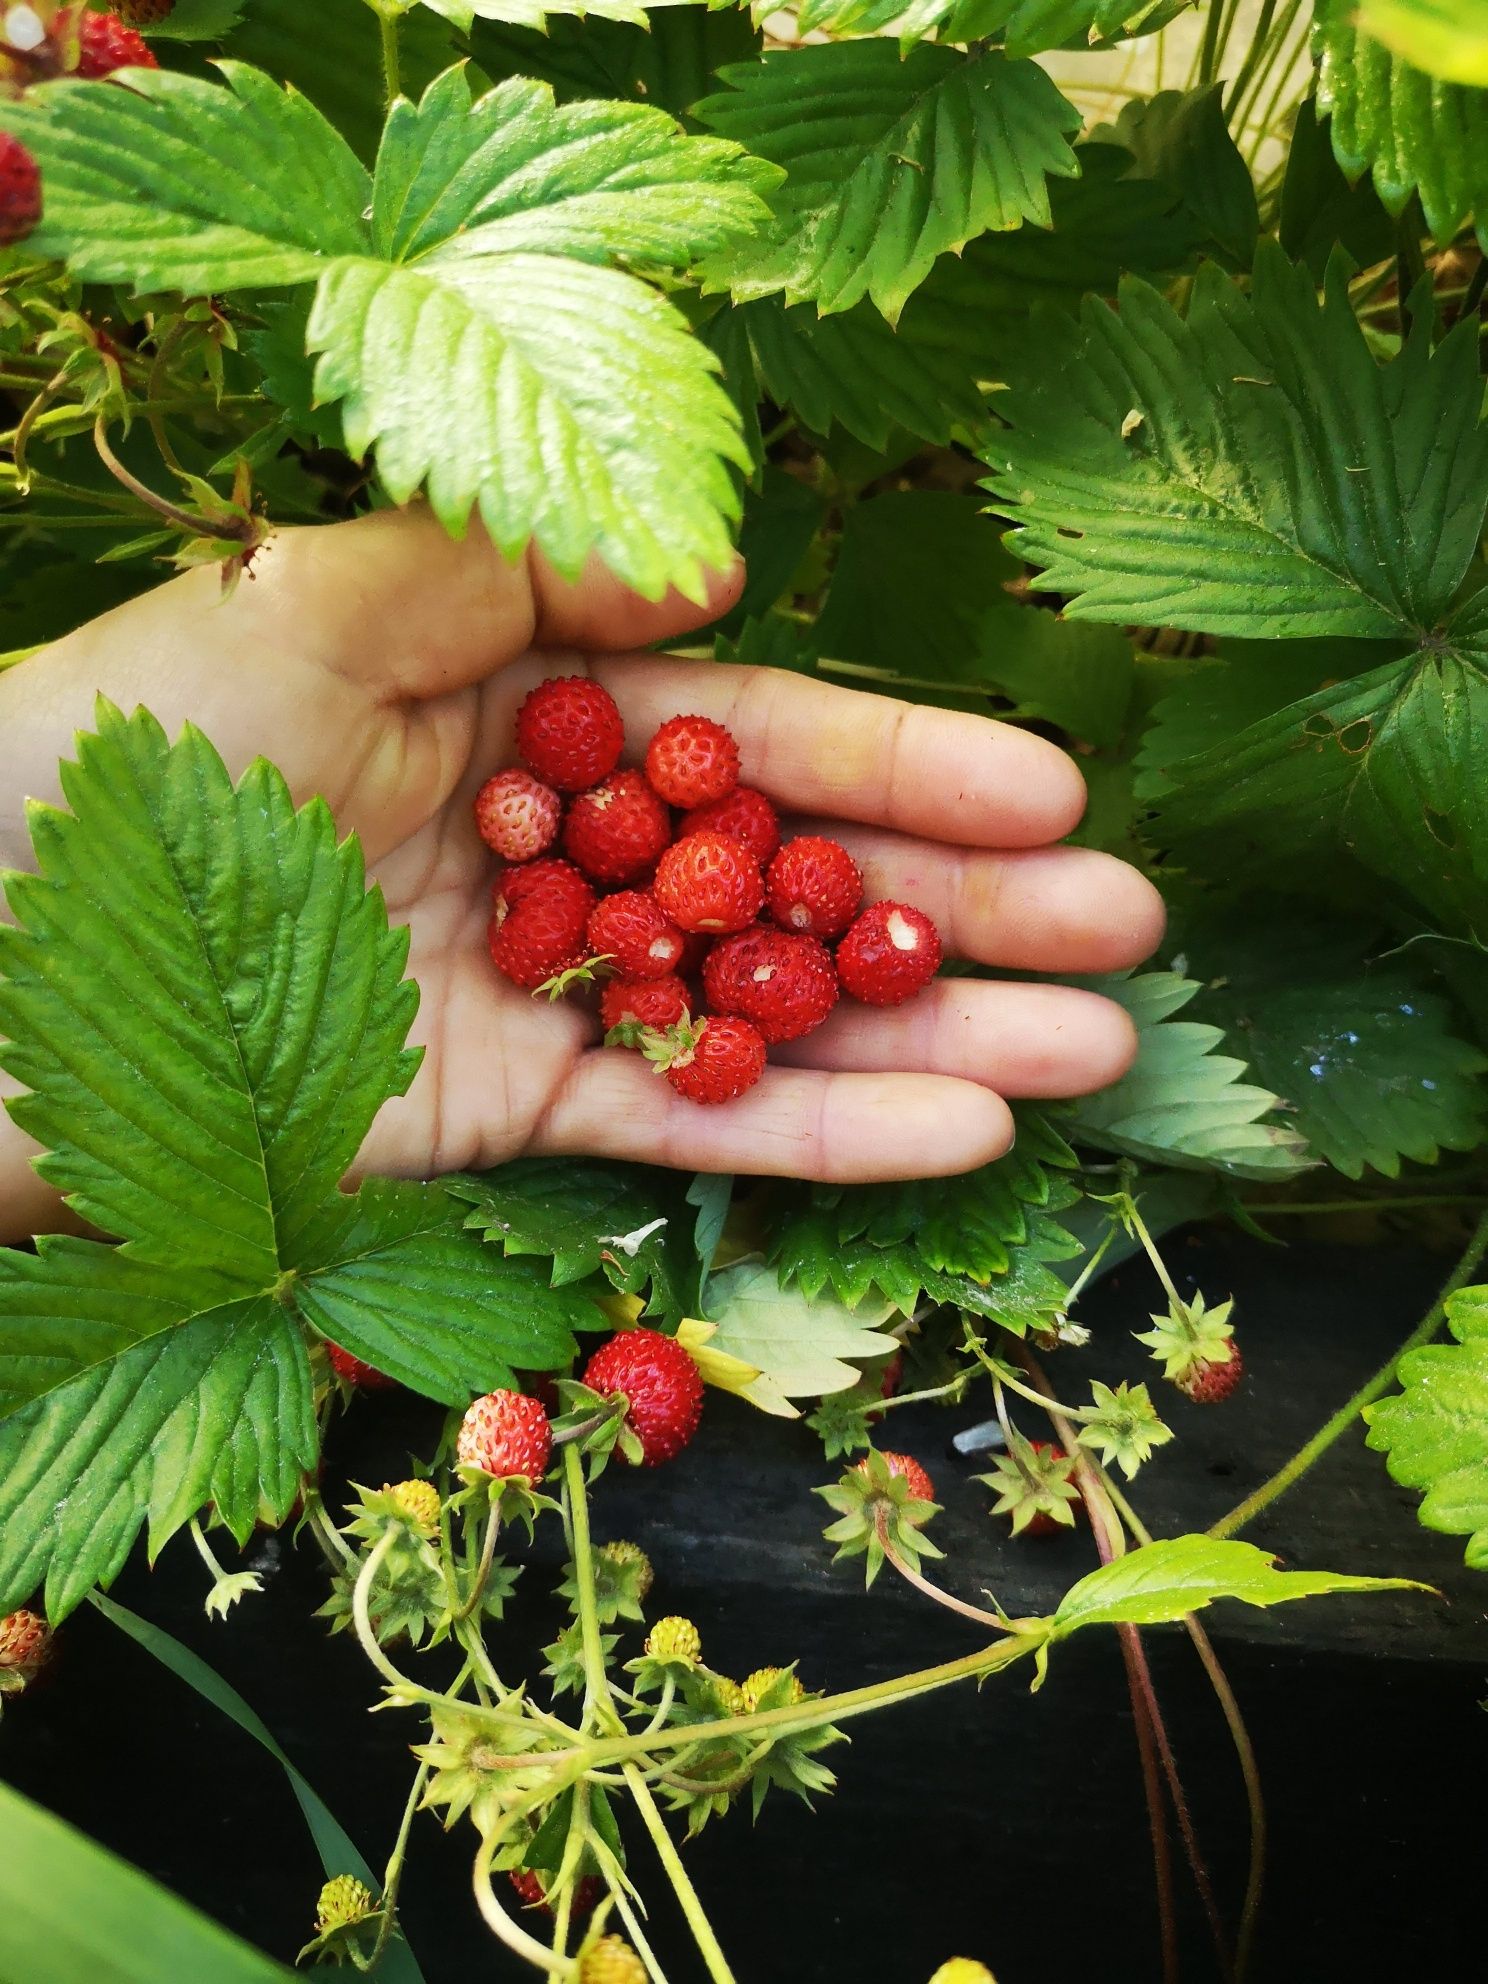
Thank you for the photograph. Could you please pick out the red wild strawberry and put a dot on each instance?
(711, 883)
(662, 1387)
(633, 929)
(814, 885)
(538, 916)
(616, 831)
(743, 814)
(25, 1647)
(888, 955)
(569, 732)
(517, 815)
(506, 1434)
(710, 1060)
(782, 982)
(692, 760)
(658, 1003)
(534, 1894)
(909, 1471)
(353, 1371)
(1211, 1383)
(106, 44)
(20, 190)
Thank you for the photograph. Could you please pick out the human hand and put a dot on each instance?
(381, 664)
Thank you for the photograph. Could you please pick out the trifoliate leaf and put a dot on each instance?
(1181, 1103)
(1435, 1430)
(217, 1409)
(1445, 37)
(393, 1276)
(1280, 482)
(1411, 132)
(797, 1344)
(203, 998)
(1363, 1055)
(1166, 1580)
(890, 163)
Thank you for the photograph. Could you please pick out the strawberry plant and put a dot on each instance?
(1108, 367)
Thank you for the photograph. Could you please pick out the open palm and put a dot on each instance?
(380, 664)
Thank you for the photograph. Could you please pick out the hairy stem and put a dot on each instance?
(478, 1583)
(1346, 1415)
(393, 1874)
(933, 1591)
(709, 1949)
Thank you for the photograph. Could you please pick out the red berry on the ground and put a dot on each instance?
(1212, 1383)
(506, 1434)
(20, 190)
(365, 1377)
(814, 885)
(517, 815)
(661, 1383)
(783, 982)
(658, 1003)
(725, 1060)
(105, 43)
(538, 917)
(711, 883)
(909, 1471)
(25, 1643)
(743, 814)
(634, 929)
(692, 760)
(616, 831)
(891, 952)
(569, 732)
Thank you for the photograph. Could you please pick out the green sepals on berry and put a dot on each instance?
(467, 1761)
(622, 1578)
(407, 1506)
(597, 1424)
(879, 1512)
(345, 1913)
(1190, 1339)
(1124, 1428)
(591, 972)
(673, 1650)
(1033, 1486)
(563, 1659)
(843, 1421)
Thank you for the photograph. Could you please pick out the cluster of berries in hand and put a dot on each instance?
(78, 42)
(720, 938)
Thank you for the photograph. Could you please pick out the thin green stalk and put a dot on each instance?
(1411, 1204)
(597, 1702)
(362, 1617)
(1473, 295)
(389, 24)
(709, 1949)
(393, 1874)
(933, 1591)
(1258, 44)
(1246, 1511)
(482, 1575)
(512, 1934)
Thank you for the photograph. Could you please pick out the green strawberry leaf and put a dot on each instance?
(197, 20)
(393, 1276)
(534, 13)
(1181, 1103)
(1248, 469)
(1036, 25)
(891, 163)
(218, 1408)
(1435, 1430)
(1166, 1580)
(1445, 37)
(1409, 131)
(1320, 209)
(1181, 138)
(203, 998)
(670, 62)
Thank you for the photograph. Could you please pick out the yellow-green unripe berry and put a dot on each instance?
(344, 1902)
(674, 1639)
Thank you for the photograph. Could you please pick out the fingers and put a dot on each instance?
(798, 1123)
(1047, 909)
(1021, 1040)
(814, 747)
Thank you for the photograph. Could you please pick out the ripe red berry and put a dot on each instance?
(20, 190)
(25, 1645)
(743, 814)
(889, 954)
(1212, 1383)
(784, 983)
(711, 883)
(658, 1003)
(692, 760)
(517, 815)
(661, 1384)
(506, 1434)
(569, 732)
(534, 1894)
(365, 1377)
(724, 1058)
(105, 44)
(634, 929)
(814, 885)
(538, 919)
(616, 831)
(909, 1470)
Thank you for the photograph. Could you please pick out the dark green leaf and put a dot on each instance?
(1435, 1430)
(1182, 138)
(1319, 208)
(670, 63)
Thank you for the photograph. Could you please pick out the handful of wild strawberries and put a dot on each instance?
(719, 937)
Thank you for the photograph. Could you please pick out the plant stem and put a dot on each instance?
(597, 1702)
(393, 1875)
(478, 1583)
(389, 23)
(1473, 295)
(932, 1591)
(1257, 49)
(697, 1921)
(1254, 1797)
(1262, 1498)
(361, 1613)
(1411, 1204)
(499, 1922)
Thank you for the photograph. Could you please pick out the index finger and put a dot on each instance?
(814, 747)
